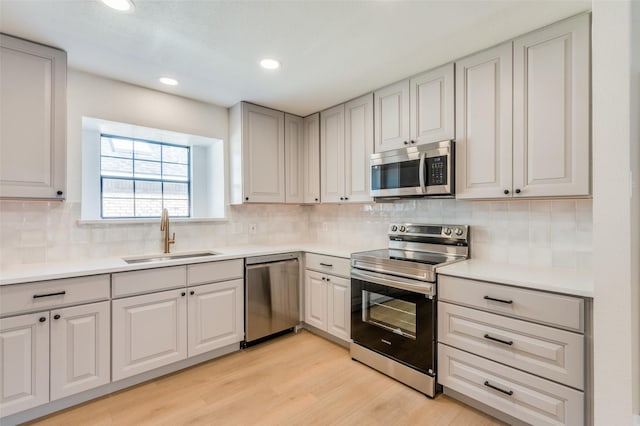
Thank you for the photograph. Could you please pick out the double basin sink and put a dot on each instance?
(169, 256)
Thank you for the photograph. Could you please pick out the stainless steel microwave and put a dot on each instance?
(416, 171)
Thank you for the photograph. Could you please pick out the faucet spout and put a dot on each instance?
(164, 226)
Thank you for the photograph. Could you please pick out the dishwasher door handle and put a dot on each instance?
(267, 264)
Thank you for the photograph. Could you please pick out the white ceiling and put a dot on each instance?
(331, 51)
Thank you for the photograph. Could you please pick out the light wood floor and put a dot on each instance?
(297, 379)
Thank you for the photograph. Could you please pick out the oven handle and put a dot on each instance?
(422, 165)
(428, 289)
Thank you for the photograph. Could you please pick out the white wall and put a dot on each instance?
(93, 96)
(615, 214)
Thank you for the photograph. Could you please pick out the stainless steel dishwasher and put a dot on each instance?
(271, 296)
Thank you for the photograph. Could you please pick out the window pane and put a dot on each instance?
(116, 147)
(176, 191)
(175, 154)
(148, 207)
(117, 207)
(116, 167)
(177, 208)
(175, 172)
(148, 169)
(148, 151)
(146, 189)
(117, 188)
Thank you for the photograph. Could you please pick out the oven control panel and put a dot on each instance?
(432, 231)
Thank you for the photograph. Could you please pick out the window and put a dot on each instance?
(130, 173)
(139, 178)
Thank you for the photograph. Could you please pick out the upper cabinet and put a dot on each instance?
(346, 143)
(311, 159)
(415, 111)
(294, 157)
(33, 118)
(257, 154)
(522, 116)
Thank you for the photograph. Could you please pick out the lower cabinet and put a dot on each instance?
(75, 341)
(327, 303)
(149, 331)
(216, 317)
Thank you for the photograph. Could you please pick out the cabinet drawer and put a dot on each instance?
(329, 264)
(54, 293)
(524, 396)
(548, 352)
(561, 311)
(201, 273)
(148, 280)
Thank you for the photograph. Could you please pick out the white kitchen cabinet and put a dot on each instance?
(551, 102)
(415, 111)
(149, 331)
(346, 143)
(392, 116)
(24, 362)
(80, 348)
(216, 316)
(311, 159)
(33, 111)
(522, 116)
(294, 160)
(484, 140)
(328, 296)
(257, 154)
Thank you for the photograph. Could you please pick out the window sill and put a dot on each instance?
(90, 222)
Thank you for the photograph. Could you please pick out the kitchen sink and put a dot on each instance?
(169, 256)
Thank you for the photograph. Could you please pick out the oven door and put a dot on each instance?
(395, 322)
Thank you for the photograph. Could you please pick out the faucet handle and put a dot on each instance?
(173, 239)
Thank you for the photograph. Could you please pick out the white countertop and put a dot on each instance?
(565, 281)
(48, 271)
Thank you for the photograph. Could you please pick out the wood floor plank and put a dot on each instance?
(297, 379)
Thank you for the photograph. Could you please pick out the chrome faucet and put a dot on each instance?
(164, 226)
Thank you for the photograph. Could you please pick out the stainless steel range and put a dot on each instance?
(393, 300)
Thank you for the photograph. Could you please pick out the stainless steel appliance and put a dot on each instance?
(393, 301)
(271, 295)
(416, 171)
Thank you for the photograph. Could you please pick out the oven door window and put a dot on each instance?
(389, 313)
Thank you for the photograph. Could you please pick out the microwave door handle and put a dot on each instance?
(422, 166)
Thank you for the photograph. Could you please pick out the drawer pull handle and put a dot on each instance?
(508, 302)
(495, 339)
(489, 385)
(328, 265)
(60, 293)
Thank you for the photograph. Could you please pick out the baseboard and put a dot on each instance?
(344, 343)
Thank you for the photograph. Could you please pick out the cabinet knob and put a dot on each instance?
(406, 142)
(324, 278)
(346, 198)
(56, 317)
(518, 191)
(316, 200)
(341, 198)
(192, 292)
(42, 319)
(183, 294)
(413, 141)
(59, 193)
(246, 198)
(506, 192)
(328, 279)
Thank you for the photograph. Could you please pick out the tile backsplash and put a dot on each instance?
(537, 232)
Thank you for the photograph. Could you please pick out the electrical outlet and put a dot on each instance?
(253, 228)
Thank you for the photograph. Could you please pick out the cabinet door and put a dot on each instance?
(484, 123)
(293, 157)
(339, 307)
(392, 116)
(332, 154)
(33, 109)
(216, 316)
(551, 110)
(358, 148)
(315, 312)
(80, 348)
(24, 362)
(148, 331)
(263, 154)
(432, 107)
(311, 169)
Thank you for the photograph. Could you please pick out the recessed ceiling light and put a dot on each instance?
(168, 81)
(120, 5)
(270, 64)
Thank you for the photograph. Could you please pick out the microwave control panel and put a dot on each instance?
(437, 170)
